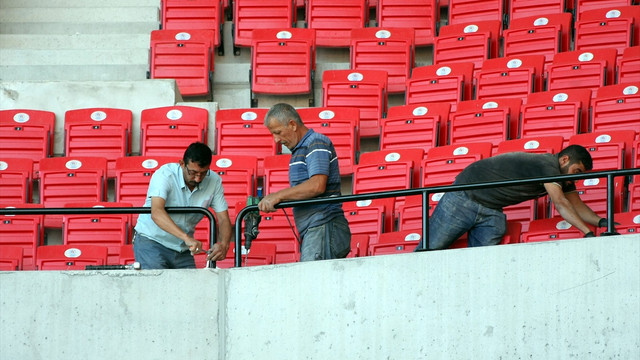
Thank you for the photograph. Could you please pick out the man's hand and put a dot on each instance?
(194, 245)
(218, 251)
(268, 204)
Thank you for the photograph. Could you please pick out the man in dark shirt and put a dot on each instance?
(479, 212)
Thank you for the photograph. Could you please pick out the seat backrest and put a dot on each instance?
(276, 173)
(25, 231)
(610, 150)
(364, 89)
(369, 217)
(555, 228)
(616, 107)
(420, 15)
(104, 132)
(238, 173)
(249, 15)
(383, 158)
(241, 132)
(598, 29)
(469, 42)
(169, 130)
(510, 76)
(26, 133)
(443, 163)
(282, 60)
(582, 6)
(340, 124)
(629, 65)
(416, 125)
(11, 258)
(16, 180)
(582, 70)
(389, 49)
(540, 144)
(396, 242)
(133, 174)
(451, 82)
(466, 11)
(334, 20)
(70, 257)
(194, 14)
(628, 223)
(185, 56)
(525, 8)
(275, 228)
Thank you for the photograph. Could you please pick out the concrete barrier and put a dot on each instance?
(552, 300)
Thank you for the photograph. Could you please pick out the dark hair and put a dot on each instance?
(283, 113)
(198, 153)
(577, 154)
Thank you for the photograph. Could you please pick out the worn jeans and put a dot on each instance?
(331, 240)
(151, 255)
(456, 214)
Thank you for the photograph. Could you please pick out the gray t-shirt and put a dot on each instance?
(511, 166)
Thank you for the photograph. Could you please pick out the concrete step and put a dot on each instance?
(94, 15)
(75, 3)
(74, 57)
(74, 41)
(78, 28)
(73, 72)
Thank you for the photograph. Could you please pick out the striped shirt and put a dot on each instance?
(315, 155)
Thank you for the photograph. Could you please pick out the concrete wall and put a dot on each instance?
(557, 300)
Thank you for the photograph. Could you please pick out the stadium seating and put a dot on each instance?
(259, 254)
(185, 56)
(420, 15)
(389, 49)
(416, 125)
(526, 8)
(333, 20)
(628, 223)
(169, 130)
(98, 131)
(26, 133)
(241, 132)
(634, 185)
(629, 65)
(70, 257)
(195, 14)
(16, 180)
(471, 42)
(370, 218)
(133, 174)
(582, 6)
(395, 243)
(555, 228)
(109, 230)
(71, 179)
(555, 112)
(127, 256)
(364, 89)
(276, 173)
(466, 11)
(279, 229)
(510, 77)
(602, 29)
(451, 83)
(538, 35)
(359, 246)
(283, 61)
(24, 231)
(582, 70)
(11, 258)
(488, 120)
(340, 124)
(249, 15)
(616, 107)
(238, 173)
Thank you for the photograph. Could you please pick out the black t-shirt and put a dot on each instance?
(510, 166)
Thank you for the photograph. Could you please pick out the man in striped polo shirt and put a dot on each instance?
(313, 173)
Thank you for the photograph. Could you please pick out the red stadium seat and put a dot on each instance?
(616, 107)
(541, 144)
(241, 132)
(539, 35)
(582, 70)
(629, 65)
(629, 223)
(133, 174)
(276, 173)
(420, 15)
(249, 15)
(26, 133)
(473, 42)
(16, 180)
(551, 229)
(168, 131)
(370, 218)
(68, 257)
(259, 255)
(525, 8)
(510, 77)
(598, 29)
(581, 6)
(451, 83)
(279, 229)
(490, 120)
(364, 89)
(340, 124)
(389, 49)
(24, 231)
(185, 56)
(71, 179)
(555, 112)
(238, 173)
(127, 256)
(467, 11)
(359, 246)
(109, 230)
(334, 20)
(634, 186)
(194, 14)
(102, 132)
(395, 243)
(416, 125)
(282, 62)
(11, 258)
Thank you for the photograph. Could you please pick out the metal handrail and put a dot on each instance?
(425, 191)
(119, 210)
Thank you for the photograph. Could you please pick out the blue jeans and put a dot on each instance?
(456, 214)
(331, 240)
(151, 255)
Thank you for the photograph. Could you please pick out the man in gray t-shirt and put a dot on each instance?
(479, 212)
